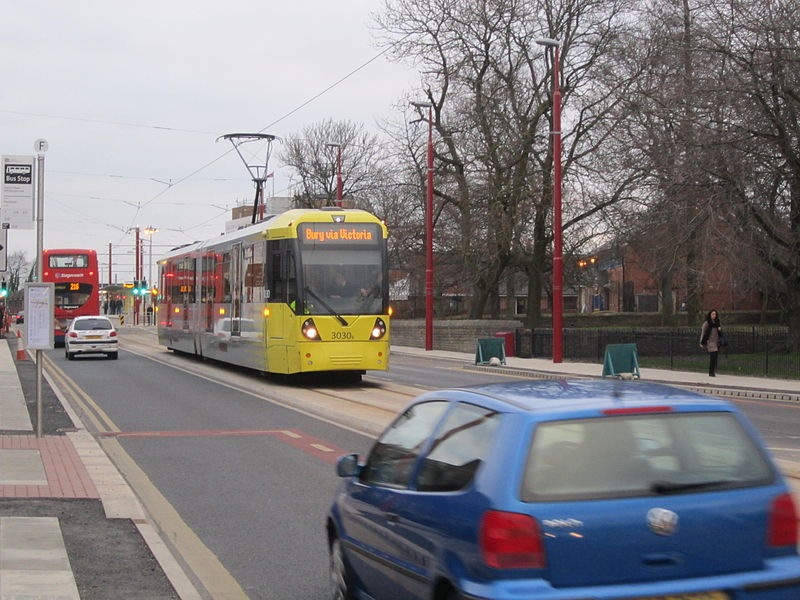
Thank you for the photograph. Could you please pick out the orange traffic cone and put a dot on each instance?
(20, 347)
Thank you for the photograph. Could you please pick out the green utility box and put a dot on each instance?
(621, 361)
(489, 348)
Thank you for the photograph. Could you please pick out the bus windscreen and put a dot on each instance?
(68, 261)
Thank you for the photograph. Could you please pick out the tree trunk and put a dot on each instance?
(667, 299)
(511, 296)
(694, 284)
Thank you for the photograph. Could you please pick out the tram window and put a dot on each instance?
(226, 277)
(189, 289)
(209, 282)
(349, 278)
(282, 273)
(275, 282)
(291, 278)
(254, 278)
(171, 284)
(253, 275)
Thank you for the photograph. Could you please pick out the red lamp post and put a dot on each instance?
(428, 232)
(137, 300)
(558, 265)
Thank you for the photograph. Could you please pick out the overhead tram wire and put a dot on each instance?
(275, 122)
(104, 122)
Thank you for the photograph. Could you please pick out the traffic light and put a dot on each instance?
(140, 287)
(3, 289)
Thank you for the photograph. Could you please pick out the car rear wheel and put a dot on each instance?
(68, 354)
(341, 579)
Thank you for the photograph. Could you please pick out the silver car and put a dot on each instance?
(91, 335)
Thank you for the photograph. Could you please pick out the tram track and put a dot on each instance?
(364, 408)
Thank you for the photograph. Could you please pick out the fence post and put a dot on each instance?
(766, 357)
(671, 337)
(600, 352)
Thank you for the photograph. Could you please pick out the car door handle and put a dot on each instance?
(392, 517)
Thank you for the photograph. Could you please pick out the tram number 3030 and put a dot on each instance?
(342, 335)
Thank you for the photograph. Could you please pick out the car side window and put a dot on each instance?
(392, 459)
(460, 447)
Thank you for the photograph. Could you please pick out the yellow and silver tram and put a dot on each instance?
(302, 291)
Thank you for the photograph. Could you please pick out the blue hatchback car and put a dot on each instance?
(564, 490)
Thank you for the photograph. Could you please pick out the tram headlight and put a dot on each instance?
(378, 330)
(309, 330)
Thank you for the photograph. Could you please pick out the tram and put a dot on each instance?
(76, 281)
(299, 292)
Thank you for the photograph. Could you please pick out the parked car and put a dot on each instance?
(91, 335)
(556, 490)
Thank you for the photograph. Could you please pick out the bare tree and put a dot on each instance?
(760, 42)
(19, 267)
(488, 82)
(313, 155)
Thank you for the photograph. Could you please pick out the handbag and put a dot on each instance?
(722, 341)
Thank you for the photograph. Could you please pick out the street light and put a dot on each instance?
(338, 172)
(149, 231)
(428, 232)
(558, 272)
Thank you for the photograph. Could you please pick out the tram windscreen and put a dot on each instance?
(342, 268)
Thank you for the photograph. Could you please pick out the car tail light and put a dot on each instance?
(511, 541)
(309, 330)
(782, 522)
(72, 334)
(378, 330)
(113, 334)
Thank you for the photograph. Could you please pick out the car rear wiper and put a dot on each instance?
(673, 487)
(327, 307)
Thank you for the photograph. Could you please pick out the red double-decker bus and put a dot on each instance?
(77, 285)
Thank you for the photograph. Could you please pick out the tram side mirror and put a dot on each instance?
(347, 466)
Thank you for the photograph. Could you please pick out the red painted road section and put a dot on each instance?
(297, 439)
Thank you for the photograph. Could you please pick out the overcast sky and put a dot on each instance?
(132, 95)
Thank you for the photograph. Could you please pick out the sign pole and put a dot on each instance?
(40, 146)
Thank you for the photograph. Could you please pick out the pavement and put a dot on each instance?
(71, 528)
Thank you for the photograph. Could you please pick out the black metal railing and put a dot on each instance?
(758, 351)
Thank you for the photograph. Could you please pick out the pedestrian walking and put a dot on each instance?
(711, 340)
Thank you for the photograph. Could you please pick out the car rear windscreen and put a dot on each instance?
(88, 324)
(611, 457)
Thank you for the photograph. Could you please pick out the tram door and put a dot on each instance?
(282, 299)
(236, 290)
